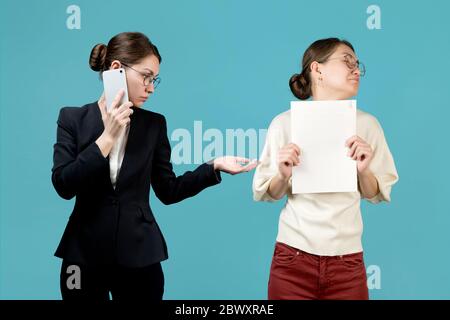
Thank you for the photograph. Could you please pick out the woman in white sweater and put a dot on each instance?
(318, 252)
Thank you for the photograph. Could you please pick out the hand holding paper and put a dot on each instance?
(360, 151)
(288, 157)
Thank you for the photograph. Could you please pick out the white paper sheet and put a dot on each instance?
(320, 129)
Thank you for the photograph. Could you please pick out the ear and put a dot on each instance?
(315, 68)
(115, 65)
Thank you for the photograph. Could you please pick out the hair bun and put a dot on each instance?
(302, 80)
(97, 57)
(300, 86)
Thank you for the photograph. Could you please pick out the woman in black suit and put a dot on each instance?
(108, 160)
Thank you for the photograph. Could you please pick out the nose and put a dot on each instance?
(150, 88)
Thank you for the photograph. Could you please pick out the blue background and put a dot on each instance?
(227, 63)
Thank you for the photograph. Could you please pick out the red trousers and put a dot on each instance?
(297, 275)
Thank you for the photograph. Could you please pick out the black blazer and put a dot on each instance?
(117, 226)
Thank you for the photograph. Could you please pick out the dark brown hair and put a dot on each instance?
(319, 51)
(127, 47)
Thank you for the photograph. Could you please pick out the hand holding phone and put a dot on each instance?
(117, 118)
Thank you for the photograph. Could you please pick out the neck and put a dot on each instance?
(324, 95)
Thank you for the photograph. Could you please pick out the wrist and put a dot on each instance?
(106, 138)
(105, 143)
(214, 164)
(282, 178)
(365, 174)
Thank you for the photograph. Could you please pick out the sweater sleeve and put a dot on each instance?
(268, 168)
(382, 165)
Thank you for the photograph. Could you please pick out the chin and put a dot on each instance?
(352, 92)
(137, 104)
(354, 89)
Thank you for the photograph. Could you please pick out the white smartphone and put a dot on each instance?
(113, 81)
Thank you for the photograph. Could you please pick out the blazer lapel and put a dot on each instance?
(131, 149)
(98, 127)
(96, 120)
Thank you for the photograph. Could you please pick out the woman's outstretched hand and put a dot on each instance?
(234, 165)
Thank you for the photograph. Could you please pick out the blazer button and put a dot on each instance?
(114, 201)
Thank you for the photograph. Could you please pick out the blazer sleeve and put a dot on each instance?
(167, 186)
(72, 170)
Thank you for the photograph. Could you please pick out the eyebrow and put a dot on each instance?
(150, 71)
(349, 54)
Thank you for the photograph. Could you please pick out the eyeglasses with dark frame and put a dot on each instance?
(352, 63)
(147, 79)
